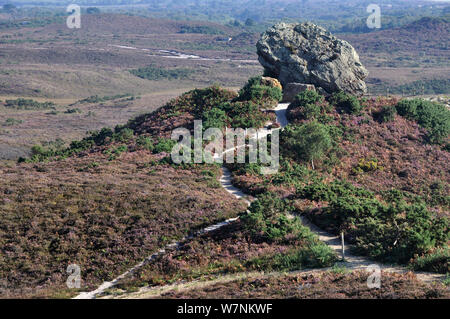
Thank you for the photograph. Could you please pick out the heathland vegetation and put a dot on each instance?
(334, 170)
(374, 168)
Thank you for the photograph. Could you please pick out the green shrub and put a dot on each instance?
(155, 73)
(432, 116)
(408, 108)
(145, 143)
(315, 255)
(11, 121)
(367, 166)
(387, 114)
(200, 29)
(436, 261)
(164, 145)
(123, 134)
(244, 114)
(263, 95)
(28, 104)
(307, 97)
(348, 103)
(267, 218)
(214, 118)
(307, 142)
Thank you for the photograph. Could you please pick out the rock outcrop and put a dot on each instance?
(306, 53)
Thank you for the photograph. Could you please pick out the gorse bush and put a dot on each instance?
(307, 142)
(245, 114)
(267, 218)
(28, 104)
(260, 94)
(98, 99)
(215, 118)
(314, 255)
(200, 29)
(267, 221)
(307, 97)
(346, 102)
(432, 116)
(12, 121)
(164, 145)
(435, 261)
(386, 114)
(367, 166)
(145, 143)
(309, 105)
(154, 73)
(393, 232)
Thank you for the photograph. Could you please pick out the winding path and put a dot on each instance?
(351, 262)
(226, 182)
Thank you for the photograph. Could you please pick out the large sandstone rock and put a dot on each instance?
(306, 53)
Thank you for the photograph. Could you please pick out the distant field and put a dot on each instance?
(118, 54)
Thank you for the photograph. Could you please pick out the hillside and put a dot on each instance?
(119, 195)
(418, 52)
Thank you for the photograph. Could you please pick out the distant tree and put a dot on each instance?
(9, 7)
(236, 23)
(249, 22)
(92, 10)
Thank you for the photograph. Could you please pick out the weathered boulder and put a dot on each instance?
(306, 53)
(291, 90)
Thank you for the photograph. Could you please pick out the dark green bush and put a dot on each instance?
(262, 95)
(155, 73)
(307, 142)
(436, 261)
(315, 255)
(386, 114)
(307, 97)
(393, 232)
(214, 118)
(432, 116)
(145, 143)
(28, 104)
(123, 134)
(164, 145)
(348, 103)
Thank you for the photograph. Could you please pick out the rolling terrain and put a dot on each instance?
(86, 118)
(68, 205)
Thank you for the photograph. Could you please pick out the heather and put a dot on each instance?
(111, 199)
(105, 216)
(217, 107)
(356, 166)
(272, 242)
(318, 285)
(432, 116)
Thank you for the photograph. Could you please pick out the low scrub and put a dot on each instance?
(28, 104)
(394, 231)
(432, 116)
(154, 73)
(435, 261)
(346, 102)
(260, 93)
